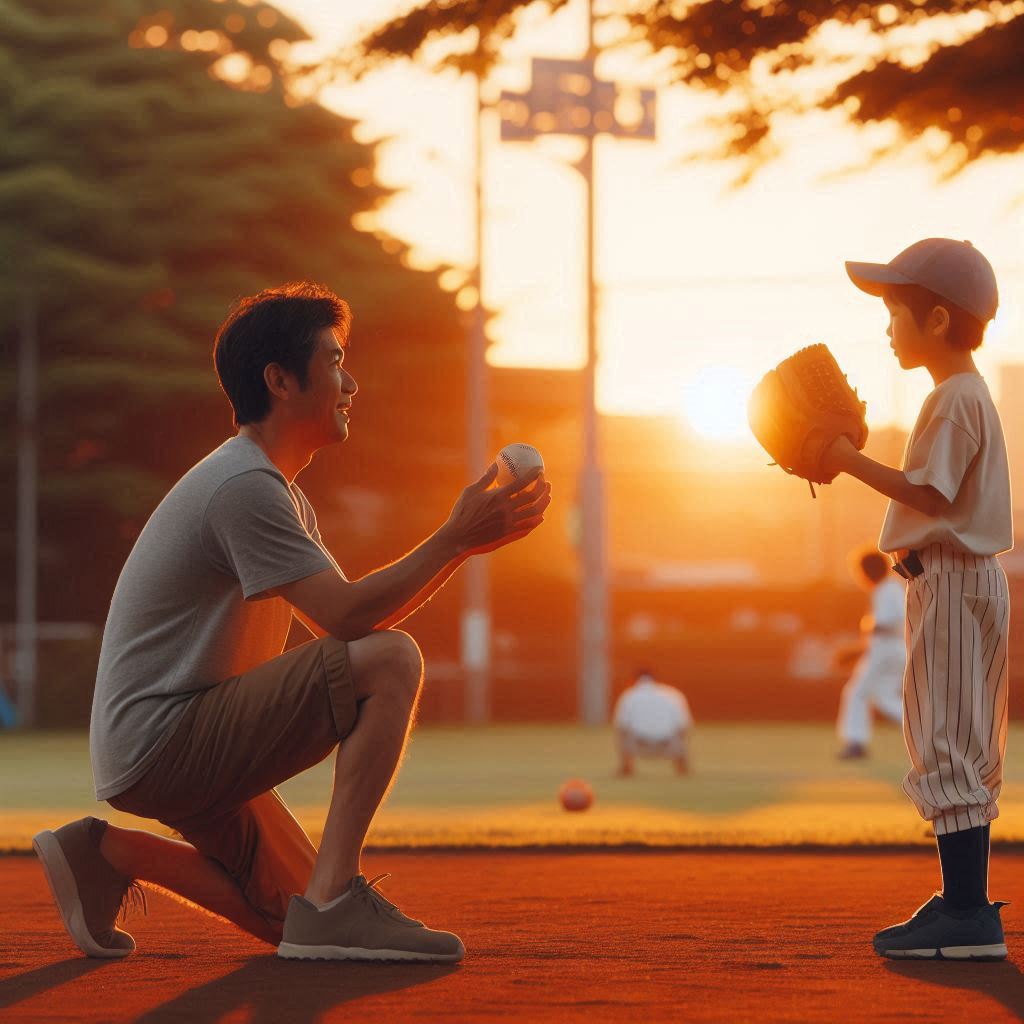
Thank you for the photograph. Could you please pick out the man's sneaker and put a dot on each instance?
(938, 933)
(362, 925)
(90, 895)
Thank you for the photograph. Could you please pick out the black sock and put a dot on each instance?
(986, 849)
(964, 859)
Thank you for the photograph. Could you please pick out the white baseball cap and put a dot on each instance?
(952, 270)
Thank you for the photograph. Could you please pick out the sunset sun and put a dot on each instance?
(715, 402)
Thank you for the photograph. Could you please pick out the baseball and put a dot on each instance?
(514, 460)
(576, 795)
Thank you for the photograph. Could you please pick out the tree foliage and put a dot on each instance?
(154, 167)
(888, 61)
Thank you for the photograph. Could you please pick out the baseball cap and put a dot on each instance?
(953, 270)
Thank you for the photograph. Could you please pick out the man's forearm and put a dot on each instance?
(387, 595)
(424, 595)
(894, 484)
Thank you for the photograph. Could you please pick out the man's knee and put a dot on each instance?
(405, 659)
(389, 663)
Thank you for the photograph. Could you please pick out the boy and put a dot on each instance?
(949, 516)
(877, 681)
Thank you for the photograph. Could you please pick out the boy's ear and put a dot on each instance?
(939, 318)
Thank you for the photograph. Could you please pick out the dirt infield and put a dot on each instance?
(689, 936)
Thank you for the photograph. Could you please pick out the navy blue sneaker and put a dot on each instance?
(935, 933)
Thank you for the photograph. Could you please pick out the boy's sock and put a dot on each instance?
(986, 849)
(964, 859)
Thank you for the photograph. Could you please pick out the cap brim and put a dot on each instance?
(873, 277)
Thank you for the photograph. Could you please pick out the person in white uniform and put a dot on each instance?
(877, 680)
(948, 519)
(652, 720)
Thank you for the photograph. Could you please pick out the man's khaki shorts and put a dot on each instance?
(213, 782)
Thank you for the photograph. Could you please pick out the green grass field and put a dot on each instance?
(751, 784)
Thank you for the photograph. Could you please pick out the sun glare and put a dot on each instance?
(715, 402)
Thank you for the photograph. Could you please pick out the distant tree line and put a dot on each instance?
(155, 166)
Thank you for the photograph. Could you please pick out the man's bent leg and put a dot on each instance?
(180, 868)
(244, 854)
(387, 669)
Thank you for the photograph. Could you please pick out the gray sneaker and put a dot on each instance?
(937, 933)
(362, 925)
(90, 895)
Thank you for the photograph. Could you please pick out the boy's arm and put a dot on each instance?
(843, 457)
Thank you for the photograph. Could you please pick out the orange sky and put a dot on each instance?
(702, 288)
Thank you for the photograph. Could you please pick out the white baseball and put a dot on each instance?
(515, 460)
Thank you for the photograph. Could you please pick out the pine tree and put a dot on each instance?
(154, 167)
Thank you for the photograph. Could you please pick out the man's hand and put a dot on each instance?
(484, 519)
(837, 456)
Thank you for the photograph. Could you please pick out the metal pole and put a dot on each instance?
(27, 628)
(476, 615)
(593, 685)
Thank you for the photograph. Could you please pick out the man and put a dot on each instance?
(652, 720)
(197, 714)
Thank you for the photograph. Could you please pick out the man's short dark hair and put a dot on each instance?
(966, 332)
(279, 325)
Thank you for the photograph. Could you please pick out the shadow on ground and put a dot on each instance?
(274, 990)
(1002, 981)
(19, 987)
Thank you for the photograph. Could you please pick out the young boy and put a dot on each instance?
(877, 681)
(948, 517)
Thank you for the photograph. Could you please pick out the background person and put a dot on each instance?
(652, 720)
(877, 679)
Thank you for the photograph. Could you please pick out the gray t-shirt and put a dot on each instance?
(189, 610)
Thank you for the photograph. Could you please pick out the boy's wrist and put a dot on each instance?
(840, 454)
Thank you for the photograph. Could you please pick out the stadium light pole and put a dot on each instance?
(476, 611)
(26, 628)
(566, 98)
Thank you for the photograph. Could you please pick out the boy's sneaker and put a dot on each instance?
(362, 925)
(90, 895)
(938, 933)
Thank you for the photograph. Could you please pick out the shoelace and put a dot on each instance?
(134, 896)
(376, 897)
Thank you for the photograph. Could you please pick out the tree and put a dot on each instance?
(950, 65)
(154, 166)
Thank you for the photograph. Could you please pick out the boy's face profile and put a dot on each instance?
(912, 344)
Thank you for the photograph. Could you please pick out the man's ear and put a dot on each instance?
(276, 379)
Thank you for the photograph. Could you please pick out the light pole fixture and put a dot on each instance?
(567, 98)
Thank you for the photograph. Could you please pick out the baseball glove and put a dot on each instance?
(801, 407)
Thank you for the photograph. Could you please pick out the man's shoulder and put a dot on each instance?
(237, 470)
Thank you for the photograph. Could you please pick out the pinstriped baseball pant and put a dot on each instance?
(954, 689)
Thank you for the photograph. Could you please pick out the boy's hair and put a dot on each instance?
(279, 325)
(965, 331)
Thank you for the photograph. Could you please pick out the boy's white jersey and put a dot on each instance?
(957, 447)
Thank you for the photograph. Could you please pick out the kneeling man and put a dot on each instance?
(197, 714)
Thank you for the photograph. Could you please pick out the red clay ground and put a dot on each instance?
(691, 936)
